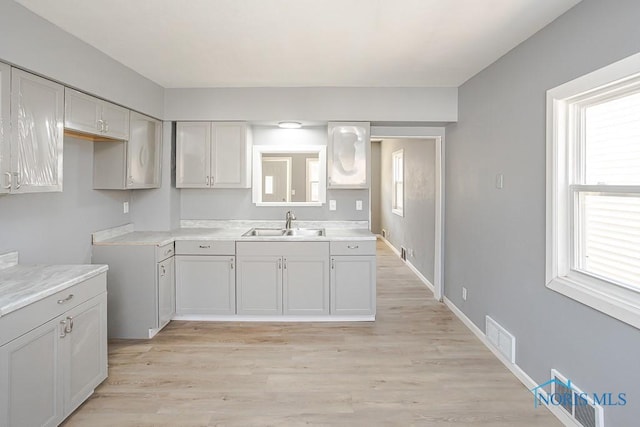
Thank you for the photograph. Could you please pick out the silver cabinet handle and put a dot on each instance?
(17, 177)
(204, 246)
(67, 299)
(279, 264)
(352, 246)
(164, 271)
(63, 328)
(207, 180)
(168, 251)
(231, 263)
(285, 263)
(69, 328)
(333, 263)
(106, 126)
(8, 174)
(100, 125)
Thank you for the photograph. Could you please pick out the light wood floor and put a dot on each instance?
(416, 365)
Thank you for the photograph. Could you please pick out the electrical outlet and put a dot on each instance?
(332, 205)
(499, 181)
(125, 207)
(412, 253)
(358, 205)
(464, 293)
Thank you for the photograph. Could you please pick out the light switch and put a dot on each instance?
(125, 207)
(499, 181)
(358, 205)
(332, 205)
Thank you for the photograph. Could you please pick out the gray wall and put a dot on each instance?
(55, 228)
(416, 229)
(495, 239)
(35, 44)
(237, 204)
(313, 104)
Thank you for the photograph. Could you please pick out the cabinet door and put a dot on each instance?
(259, 285)
(193, 154)
(348, 155)
(84, 351)
(82, 112)
(144, 152)
(305, 285)
(116, 121)
(229, 155)
(36, 123)
(353, 285)
(31, 386)
(166, 291)
(5, 102)
(205, 285)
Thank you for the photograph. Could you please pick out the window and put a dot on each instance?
(313, 180)
(397, 206)
(593, 190)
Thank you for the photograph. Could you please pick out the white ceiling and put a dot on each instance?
(274, 43)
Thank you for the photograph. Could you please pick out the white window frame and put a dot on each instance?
(395, 208)
(618, 301)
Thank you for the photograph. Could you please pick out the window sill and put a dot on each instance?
(618, 302)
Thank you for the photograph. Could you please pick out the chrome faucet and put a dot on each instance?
(288, 218)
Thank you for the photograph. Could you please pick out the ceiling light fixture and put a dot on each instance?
(290, 125)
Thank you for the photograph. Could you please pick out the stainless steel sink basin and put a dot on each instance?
(305, 232)
(281, 232)
(265, 232)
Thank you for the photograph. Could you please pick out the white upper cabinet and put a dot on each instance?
(193, 154)
(213, 155)
(132, 164)
(5, 102)
(36, 133)
(86, 114)
(348, 159)
(144, 152)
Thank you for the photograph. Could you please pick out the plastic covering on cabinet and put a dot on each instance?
(348, 156)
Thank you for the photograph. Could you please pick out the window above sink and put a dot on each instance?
(289, 175)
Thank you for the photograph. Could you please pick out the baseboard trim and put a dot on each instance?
(423, 279)
(246, 318)
(521, 375)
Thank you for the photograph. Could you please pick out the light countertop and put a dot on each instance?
(126, 235)
(21, 285)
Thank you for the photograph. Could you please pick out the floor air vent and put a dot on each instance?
(403, 253)
(501, 339)
(577, 404)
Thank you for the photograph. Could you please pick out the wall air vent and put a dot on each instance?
(577, 404)
(501, 339)
(403, 253)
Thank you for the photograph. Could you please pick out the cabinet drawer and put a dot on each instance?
(33, 315)
(283, 248)
(205, 247)
(353, 247)
(165, 251)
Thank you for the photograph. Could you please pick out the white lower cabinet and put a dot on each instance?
(50, 370)
(141, 285)
(276, 278)
(205, 277)
(353, 278)
(205, 284)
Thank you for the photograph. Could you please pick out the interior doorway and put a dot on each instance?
(418, 227)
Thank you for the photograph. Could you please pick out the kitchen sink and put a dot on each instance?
(305, 232)
(265, 232)
(283, 232)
